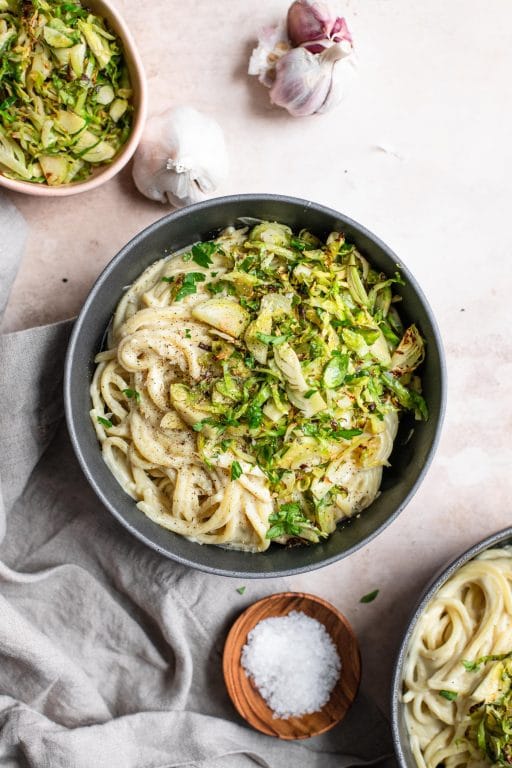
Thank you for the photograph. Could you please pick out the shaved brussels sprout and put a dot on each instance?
(310, 374)
(409, 353)
(183, 402)
(224, 314)
(64, 91)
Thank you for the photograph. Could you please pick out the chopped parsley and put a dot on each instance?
(105, 422)
(470, 666)
(236, 470)
(474, 666)
(450, 695)
(188, 286)
(265, 338)
(132, 394)
(290, 520)
(370, 597)
(202, 253)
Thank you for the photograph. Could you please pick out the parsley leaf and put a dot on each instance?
(8, 102)
(132, 394)
(266, 339)
(300, 245)
(346, 434)
(188, 286)
(236, 470)
(450, 695)
(473, 666)
(246, 264)
(249, 304)
(370, 597)
(290, 520)
(167, 280)
(254, 416)
(470, 666)
(202, 253)
(197, 427)
(241, 590)
(105, 422)
(221, 285)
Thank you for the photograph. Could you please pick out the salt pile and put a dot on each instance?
(293, 663)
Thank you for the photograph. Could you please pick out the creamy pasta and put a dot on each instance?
(458, 670)
(251, 386)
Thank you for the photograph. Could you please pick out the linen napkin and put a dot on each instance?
(110, 654)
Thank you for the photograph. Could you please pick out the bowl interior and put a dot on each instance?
(246, 697)
(414, 445)
(102, 173)
(400, 734)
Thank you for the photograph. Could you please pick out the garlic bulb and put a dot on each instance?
(182, 157)
(300, 62)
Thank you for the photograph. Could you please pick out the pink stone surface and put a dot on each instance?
(420, 152)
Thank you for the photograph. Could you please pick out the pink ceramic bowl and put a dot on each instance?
(103, 172)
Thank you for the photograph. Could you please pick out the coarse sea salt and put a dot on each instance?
(293, 663)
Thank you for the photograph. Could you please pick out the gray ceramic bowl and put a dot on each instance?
(400, 736)
(410, 458)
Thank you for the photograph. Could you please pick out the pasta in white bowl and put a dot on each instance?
(251, 386)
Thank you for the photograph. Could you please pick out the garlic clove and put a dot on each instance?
(316, 25)
(182, 157)
(272, 44)
(304, 81)
(342, 76)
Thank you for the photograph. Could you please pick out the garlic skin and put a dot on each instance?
(272, 44)
(316, 25)
(182, 157)
(307, 63)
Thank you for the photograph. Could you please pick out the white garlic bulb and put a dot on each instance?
(182, 157)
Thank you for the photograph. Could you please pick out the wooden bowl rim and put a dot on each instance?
(231, 662)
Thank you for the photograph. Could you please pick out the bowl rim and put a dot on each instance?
(195, 210)
(105, 172)
(440, 577)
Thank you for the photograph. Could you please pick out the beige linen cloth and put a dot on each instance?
(110, 655)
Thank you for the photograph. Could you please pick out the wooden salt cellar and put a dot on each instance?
(246, 697)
